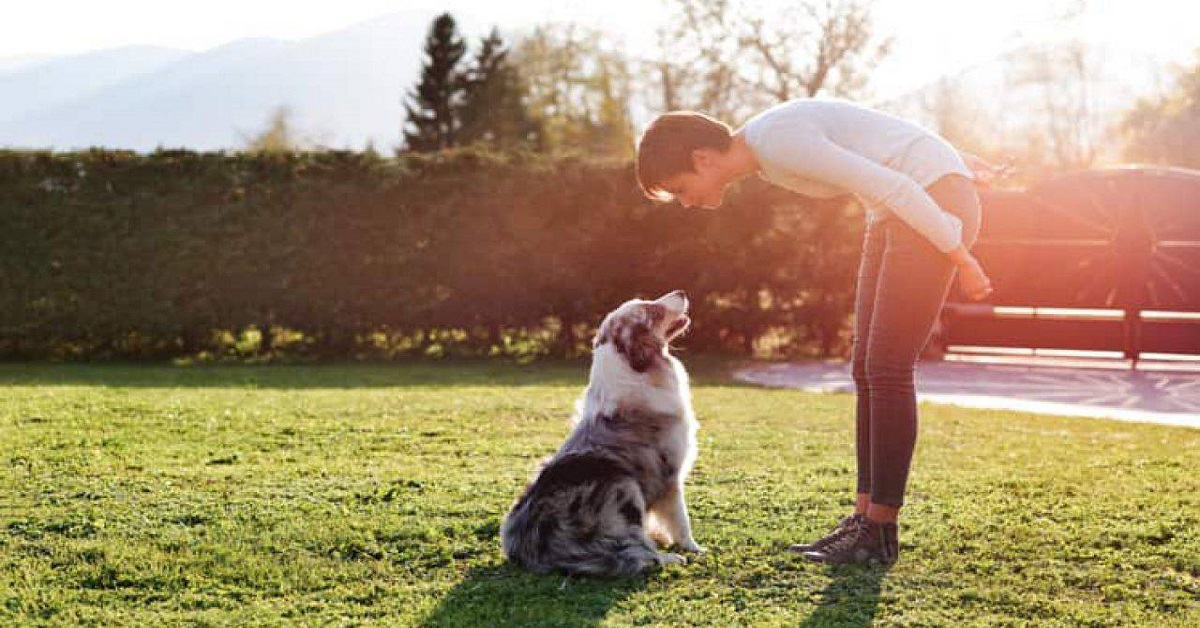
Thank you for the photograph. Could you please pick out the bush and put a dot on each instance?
(341, 254)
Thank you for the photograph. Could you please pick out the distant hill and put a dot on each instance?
(345, 89)
(32, 86)
(18, 62)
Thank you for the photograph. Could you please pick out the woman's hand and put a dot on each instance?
(986, 172)
(975, 283)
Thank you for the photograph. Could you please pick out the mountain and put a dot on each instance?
(18, 62)
(30, 86)
(344, 89)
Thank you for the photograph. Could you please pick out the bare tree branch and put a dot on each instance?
(731, 58)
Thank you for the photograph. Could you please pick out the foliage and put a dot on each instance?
(1065, 129)
(459, 103)
(732, 58)
(494, 111)
(280, 136)
(432, 110)
(142, 496)
(1166, 130)
(114, 254)
(580, 90)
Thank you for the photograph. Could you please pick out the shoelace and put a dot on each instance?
(847, 540)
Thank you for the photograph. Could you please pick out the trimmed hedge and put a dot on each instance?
(118, 254)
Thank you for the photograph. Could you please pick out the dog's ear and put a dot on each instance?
(601, 338)
(639, 346)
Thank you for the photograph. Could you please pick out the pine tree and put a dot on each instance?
(494, 110)
(433, 110)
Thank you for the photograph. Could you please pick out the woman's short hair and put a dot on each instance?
(665, 149)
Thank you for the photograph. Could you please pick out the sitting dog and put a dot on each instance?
(617, 482)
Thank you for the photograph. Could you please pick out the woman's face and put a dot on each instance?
(705, 187)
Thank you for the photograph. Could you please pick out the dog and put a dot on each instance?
(616, 485)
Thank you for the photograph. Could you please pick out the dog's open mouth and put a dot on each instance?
(679, 326)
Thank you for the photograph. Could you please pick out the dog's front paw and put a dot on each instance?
(690, 546)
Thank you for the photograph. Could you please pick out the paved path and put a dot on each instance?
(1167, 397)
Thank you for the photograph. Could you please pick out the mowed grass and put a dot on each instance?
(347, 495)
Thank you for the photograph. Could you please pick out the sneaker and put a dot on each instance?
(823, 542)
(865, 543)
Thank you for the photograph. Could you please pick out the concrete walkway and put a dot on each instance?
(1169, 397)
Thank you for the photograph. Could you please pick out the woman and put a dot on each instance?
(923, 217)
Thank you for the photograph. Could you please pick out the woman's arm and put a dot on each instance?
(818, 157)
(899, 193)
(812, 155)
(985, 172)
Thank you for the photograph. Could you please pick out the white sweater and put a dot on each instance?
(824, 148)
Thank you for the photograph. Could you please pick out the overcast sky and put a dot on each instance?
(932, 37)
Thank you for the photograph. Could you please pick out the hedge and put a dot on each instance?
(111, 254)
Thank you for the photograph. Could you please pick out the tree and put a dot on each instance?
(730, 58)
(432, 110)
(1166, 129)
(1066, 124)
(580, 89)
(612, 133)
(279, 137)
(494, 110)
(956, 115)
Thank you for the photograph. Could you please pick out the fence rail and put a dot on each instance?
(1105, 260)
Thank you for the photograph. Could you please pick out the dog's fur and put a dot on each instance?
(617, 482)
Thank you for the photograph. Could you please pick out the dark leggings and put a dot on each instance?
(902, 284)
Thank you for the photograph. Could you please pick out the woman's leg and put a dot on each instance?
(909, 289)
(874, 241)
(914, 279)
(864, 300)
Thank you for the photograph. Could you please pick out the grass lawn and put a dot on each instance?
(345, 495)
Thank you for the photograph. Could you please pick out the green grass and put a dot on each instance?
(343, 495)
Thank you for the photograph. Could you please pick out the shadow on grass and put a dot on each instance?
(851, 598)
(299, 376)
(431, 374)
(503, 595)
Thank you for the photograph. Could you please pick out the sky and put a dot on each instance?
(931, 37)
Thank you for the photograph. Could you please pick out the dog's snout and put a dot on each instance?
(679, 293)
